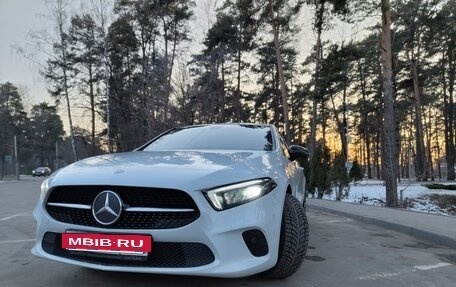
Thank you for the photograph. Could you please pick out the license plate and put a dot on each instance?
(125, 244)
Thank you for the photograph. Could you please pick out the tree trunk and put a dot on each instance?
(421, 170)
(106, 79)
(222, 102)
(173, 55)
(237, 98)
(170, 71)
(368, 157)
(283, 87)
(167, 88)
(147, 131)
(65, 78)
(450, 119)
(92, 108)
(364, 124)
(275, 100)
(378, 173)
(2, 159)
(340, 126)
(344, 136)
(318, 53)
(428, 134)
(323, 121)
(151, 99)
(389, 158)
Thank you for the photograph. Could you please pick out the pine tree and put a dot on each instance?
(47, 129)
(356, 173)
(87, 52)
(13, 121)
(339, 176)
(126, 103)
(390, 156)
(320, 166)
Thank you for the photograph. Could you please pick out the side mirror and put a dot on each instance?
(298, 152)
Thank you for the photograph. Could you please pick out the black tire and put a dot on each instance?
(294, 239)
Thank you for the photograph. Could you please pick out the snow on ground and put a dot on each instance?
(415, 195)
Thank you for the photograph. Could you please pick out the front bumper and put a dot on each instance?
(222, 233)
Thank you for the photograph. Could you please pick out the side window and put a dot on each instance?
(284, 148)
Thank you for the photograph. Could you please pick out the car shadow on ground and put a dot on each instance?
(156, 280)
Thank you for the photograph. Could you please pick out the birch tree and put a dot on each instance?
(59, 65)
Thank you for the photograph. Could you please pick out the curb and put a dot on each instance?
(409, 230)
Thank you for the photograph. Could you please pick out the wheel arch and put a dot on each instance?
(289, 191)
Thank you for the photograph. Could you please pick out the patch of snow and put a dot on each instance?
(373, 192)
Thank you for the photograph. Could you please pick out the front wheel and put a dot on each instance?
(294, 239)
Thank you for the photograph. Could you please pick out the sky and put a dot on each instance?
(17, 18)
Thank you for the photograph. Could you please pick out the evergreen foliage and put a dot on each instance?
(356, 172)
(320, 166)
(339, 176)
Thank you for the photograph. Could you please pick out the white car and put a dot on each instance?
(223, 200)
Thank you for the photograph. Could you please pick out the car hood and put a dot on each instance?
(187, 170)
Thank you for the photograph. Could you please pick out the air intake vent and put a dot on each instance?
(256, 242)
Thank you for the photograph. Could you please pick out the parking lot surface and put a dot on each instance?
(342, 252)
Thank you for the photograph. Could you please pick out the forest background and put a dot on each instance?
(135, 68)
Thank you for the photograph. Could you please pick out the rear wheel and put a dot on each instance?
(294, 239)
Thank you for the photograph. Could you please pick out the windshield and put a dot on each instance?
(224, 137)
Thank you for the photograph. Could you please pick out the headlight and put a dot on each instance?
(44, 188)
(232, 195)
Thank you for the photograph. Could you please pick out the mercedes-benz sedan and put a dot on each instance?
(223, 200)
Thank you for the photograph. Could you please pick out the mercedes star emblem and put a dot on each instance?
(107, 207)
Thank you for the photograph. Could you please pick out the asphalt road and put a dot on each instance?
(342, 252)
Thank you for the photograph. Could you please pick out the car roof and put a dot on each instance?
(228, 124)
